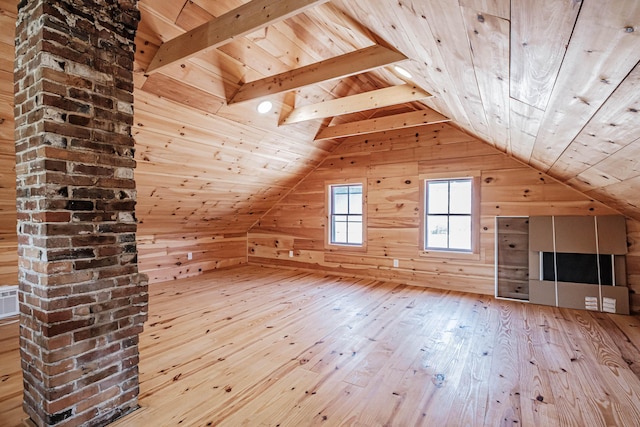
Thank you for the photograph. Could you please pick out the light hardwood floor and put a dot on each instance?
(265, 347)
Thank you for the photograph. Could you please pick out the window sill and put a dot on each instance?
(336, 247)
(450, 255)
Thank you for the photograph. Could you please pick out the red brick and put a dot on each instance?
(70, 400)
(98, 399)
(98, 354)
(64, 327)
(51, 217)
(64, 365)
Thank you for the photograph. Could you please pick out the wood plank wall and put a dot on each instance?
(8, 237)
(165, 256)
(391, 163)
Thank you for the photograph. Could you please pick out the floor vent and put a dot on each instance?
(8, 301)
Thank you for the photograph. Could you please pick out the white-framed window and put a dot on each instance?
(449, 214)
(346, 214)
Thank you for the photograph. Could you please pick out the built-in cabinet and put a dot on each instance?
(573, 261)
(512, 251)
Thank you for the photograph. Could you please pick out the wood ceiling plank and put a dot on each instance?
(291, 53)
(381, 124)
(232, 71)
(144, 54)
(356, 62)
(179, 114)
(166, 87)
(197, 77)
(540, 32)
(620, 166)
(427, 66)
(155, 176)
(603, 50)
(192, 16)
(156, 27)
(524, 124)
(498, 8)
(253, 57)
(489, 40)
(612, 128)
(329, 28)
(221, 132)
(168, 9)
(219, 7)
(312, 38)
(233, 24)
(449, 32)
(364, 101)
(253, 60)
(177, 150)
(622, 195)
(225, 59)
(593, 178)
(403, 139)
(326, 31)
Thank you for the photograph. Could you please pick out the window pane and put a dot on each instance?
(460, 202)
(437, 232)
(355, 233)
(355, 202)
(340, 203)
(339, 232)
(438, 197)
(460, 232)
(340, 189)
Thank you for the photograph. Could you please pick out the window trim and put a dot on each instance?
(474, 254)
(327, 217)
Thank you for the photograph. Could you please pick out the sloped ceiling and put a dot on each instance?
(554, 83)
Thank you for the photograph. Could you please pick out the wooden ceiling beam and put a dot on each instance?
(346, 65)
(381, 124)
(236, 23)
(380, 98)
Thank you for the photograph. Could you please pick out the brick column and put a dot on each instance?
(82, 300)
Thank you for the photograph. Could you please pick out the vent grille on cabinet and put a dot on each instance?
(609, 305)
(591, 303)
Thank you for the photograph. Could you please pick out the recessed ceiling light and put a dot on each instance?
(264, 107)
(403, 72)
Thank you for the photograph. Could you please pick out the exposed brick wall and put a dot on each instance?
(82, 300)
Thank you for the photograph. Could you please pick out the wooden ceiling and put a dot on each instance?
(554, 83)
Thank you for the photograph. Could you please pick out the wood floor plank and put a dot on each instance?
(503, 400)
(254, 346)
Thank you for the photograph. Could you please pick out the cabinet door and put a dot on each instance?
(579, 295)
(512, 257)
(542, 292)
(541, 233)
(575, 234)
(612, 235)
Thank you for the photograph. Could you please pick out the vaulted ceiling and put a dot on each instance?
(554, 83)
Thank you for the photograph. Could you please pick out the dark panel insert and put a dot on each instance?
(578, 268)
